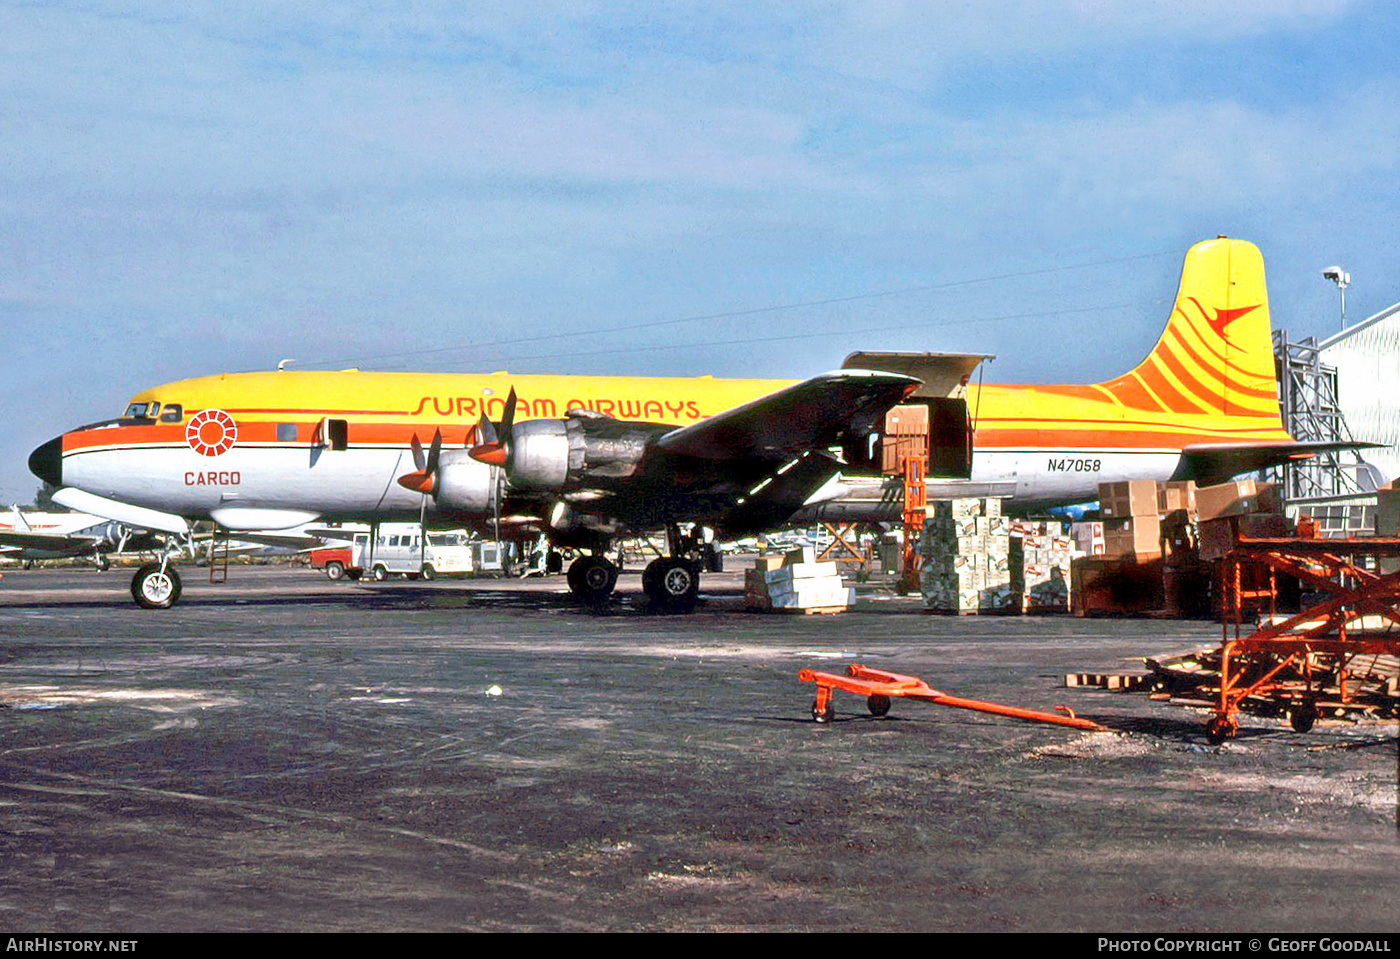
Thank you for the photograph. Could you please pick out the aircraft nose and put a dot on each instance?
(46, 462)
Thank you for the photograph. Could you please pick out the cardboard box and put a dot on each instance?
(894, 448)
(1174, 496)
(1236, 499)
(908, 420)
(1218, 536)
(1138, 536)
(794, 571)
(992, 525)
(1104, 586)
(803, 554)
(1123, 500)
(1265, 526)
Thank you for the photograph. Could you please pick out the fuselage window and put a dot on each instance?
(286, 432)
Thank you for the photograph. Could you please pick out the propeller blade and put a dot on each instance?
(420, 481)
(485, 432)
(424, 478)
(508, 417)
(492, 444)
(433, 451)
(496, 454)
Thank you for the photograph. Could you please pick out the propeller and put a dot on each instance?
(493, 443)
(424, 479)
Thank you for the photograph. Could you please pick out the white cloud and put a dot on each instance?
(193, 186)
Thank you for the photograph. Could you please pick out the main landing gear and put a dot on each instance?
(671, 583)
(592, 579)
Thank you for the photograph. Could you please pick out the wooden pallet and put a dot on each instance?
(1121, 681)
(811, 610)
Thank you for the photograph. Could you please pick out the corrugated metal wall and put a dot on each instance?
(1367, 358)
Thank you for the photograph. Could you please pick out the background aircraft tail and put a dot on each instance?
(1216, 355)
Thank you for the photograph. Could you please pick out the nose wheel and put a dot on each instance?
(156, 586)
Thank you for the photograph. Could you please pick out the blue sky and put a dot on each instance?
(736, 189)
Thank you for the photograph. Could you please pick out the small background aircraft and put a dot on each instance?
(35, 535)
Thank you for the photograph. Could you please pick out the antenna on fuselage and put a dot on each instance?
(282, 363)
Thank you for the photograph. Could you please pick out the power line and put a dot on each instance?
(477, 345)
(808, 335)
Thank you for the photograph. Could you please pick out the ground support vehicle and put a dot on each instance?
(1305, 661)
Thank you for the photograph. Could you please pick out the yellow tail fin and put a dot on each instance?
(1216, 355)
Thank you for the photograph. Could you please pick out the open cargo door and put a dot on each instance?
(936, 414)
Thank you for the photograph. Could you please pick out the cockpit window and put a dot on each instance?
(172, 413)
(138, 411)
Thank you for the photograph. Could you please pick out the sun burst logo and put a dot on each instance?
(211, 432)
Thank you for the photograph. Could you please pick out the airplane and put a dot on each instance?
(595, 458)
(1202, 405)
(37, 535)
(590, 459)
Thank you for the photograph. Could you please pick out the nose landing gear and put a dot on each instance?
(156, 585)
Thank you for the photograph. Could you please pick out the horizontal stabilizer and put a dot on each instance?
(1211, 463)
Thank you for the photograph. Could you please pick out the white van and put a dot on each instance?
(399, 548)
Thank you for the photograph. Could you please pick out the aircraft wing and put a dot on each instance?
(1211, 463)
(811, 415)
(123, 513)
(51, 541)
(750, 467)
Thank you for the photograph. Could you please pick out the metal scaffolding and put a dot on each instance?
(1328, 486)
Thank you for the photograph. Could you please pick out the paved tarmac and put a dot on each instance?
(285, 753)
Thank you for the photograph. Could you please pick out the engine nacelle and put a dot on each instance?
(552, 454)
(565, 519)
(465, 484)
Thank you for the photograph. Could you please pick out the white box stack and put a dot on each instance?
(796, 583)
(965, 561)
(1042, 556)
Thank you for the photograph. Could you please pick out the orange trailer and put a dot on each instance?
(880, 688)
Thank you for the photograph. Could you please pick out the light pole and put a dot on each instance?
(1342, 278)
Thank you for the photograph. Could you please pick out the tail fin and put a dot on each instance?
(1216, 356)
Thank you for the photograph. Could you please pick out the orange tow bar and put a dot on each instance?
(879, 687)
